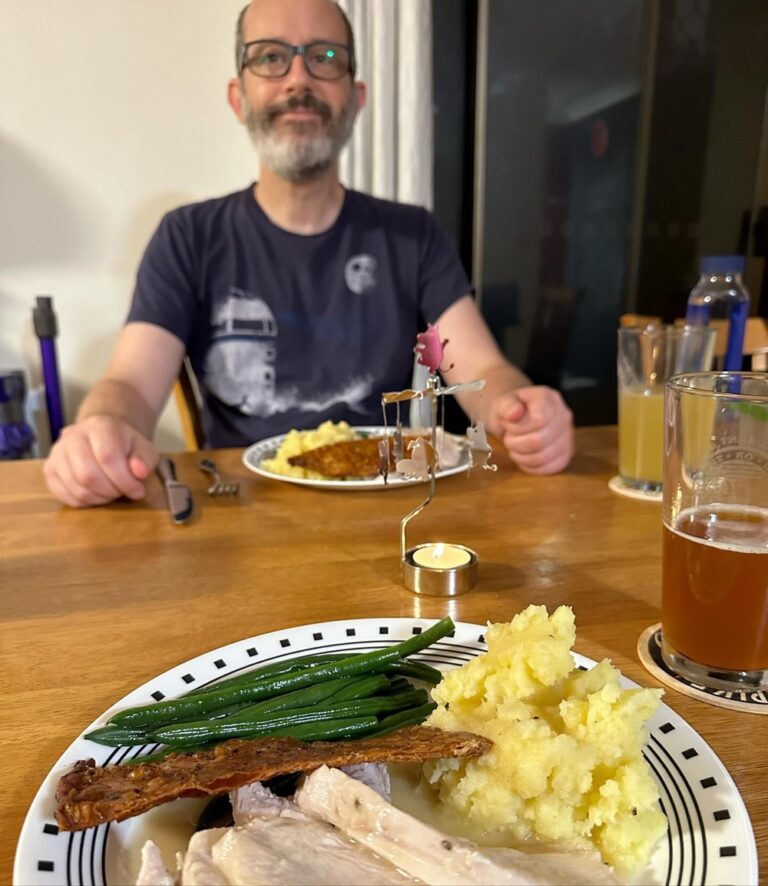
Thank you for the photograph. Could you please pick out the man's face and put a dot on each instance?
(298, 123)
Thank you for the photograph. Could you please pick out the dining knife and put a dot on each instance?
(178, 495)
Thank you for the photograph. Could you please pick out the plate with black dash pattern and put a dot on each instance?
(709, 839)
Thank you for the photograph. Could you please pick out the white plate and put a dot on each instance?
(709, 841)
(254, 455)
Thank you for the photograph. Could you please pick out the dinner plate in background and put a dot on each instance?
(709, 839)
(255, 454)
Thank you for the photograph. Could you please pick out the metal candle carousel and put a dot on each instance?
(433, 568)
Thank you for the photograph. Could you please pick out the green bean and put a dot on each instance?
(416, 669)
(117, 737)
(163, 712)
(336, 690)
(226, 712)
(197, 706)
(270, 670)
(352, 707)
(328, 730)
(242, 726)
(300, 698)
(409, 717)
(400, 684)
(219, 730)
(344, 689)
(362, 688)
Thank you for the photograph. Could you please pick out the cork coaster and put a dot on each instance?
(617, 485)
(753, 701)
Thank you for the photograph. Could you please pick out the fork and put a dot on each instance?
(219, 486)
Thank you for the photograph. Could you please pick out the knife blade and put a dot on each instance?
(178, 495)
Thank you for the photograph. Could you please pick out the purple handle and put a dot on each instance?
(52, 389)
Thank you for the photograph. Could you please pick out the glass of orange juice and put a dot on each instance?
(714, 595)
(647, 357)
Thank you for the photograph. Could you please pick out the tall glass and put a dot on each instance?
(647, 357)
(714, 595)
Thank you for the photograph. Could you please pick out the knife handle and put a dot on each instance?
(167, 470)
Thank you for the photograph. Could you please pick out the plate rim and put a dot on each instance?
(351, 485)
(44, 793)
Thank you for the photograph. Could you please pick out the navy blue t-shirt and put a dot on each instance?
(285, 330)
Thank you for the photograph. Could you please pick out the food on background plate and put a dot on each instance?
(298, 442)
(349, 458)
(338, 451)
(567, 764)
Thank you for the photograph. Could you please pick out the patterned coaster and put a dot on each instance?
(617, 485)
(753, 701)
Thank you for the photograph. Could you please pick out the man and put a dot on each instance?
(296, 299)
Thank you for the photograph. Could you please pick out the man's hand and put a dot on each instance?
(536, 428)
(97, 460)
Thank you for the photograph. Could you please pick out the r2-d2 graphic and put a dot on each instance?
(240, 366)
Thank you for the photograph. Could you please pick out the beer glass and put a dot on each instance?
(714, 594)
(647, 357)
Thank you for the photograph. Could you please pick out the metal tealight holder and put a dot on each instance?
(435, 568)
(442, 581)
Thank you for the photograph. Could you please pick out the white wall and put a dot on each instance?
(111, 113)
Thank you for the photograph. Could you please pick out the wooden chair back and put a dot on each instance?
(639, 320)
(755, 340)
(755, 336)
(187, 396)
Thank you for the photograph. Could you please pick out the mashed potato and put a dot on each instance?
(297, 442)
(566, 764)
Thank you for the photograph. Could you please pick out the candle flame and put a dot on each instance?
(438, 550)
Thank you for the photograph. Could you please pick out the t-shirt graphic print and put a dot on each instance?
(240, 364)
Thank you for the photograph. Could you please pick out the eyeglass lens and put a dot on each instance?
(272, 58)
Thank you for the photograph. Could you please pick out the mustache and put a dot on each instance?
(307, 101)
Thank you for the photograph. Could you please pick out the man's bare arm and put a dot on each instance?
(139, 378)
(532, 421)
(472, 353)
(108, 453)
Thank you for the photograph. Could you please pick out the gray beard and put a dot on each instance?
(294, 155)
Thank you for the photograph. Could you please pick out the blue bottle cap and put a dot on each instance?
(722, 264)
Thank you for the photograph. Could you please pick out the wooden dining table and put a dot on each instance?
(95, 602)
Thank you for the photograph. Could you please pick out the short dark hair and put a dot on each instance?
(240, 39)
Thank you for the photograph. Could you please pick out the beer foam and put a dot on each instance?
(740, 529)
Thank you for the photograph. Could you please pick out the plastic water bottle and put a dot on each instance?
(721, 295)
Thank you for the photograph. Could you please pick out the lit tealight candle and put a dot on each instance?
(441, 556)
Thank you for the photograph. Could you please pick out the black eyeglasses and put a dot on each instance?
(273, 59)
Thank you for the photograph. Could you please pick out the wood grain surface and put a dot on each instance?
(95, 602)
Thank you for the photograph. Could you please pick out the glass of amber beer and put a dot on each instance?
(714, 597)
